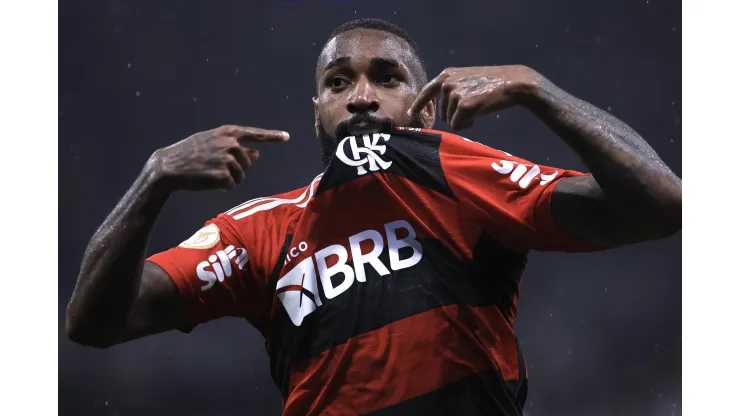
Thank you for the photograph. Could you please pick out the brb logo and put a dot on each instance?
(368, 154)
(218, 267)
(294, 288)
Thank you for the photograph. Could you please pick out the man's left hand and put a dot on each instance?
(468, 93)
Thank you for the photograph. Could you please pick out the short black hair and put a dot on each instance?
(383, 26)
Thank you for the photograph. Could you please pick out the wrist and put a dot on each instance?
(536, 92)
(529, 85)
(154, 176)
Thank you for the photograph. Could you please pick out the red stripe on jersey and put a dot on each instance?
(402, 360)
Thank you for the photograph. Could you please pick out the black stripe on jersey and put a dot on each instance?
(498, 271)
(414, 156)
(439, 279)
(484, 393)
(519, 389)
(280, 348)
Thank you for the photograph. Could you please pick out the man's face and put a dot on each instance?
(366, 82)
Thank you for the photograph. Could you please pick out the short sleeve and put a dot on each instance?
(216, 275)
(510, 196)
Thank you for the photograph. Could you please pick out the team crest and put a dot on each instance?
(205, 238)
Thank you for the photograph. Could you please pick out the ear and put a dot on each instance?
(428, 113)
(316, 120)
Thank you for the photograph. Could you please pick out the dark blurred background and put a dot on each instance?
(602, 332)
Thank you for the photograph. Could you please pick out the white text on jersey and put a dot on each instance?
(303, 277)
(218, 267)
(523, 174)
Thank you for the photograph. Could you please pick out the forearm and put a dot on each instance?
(110, 274)
(633, 178)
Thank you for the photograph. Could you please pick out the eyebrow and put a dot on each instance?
(373, 62)
(336, 62)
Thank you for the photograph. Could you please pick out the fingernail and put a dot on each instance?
(286, 136)
(408, 113)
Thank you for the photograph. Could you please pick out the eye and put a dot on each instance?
(390, 78)
(337, 83)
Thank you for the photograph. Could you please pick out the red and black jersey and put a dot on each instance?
(388, 285)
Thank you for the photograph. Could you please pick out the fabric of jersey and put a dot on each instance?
(388, 285)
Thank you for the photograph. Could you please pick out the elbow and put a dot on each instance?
(675, 216)
(671, 221)
(82, 334)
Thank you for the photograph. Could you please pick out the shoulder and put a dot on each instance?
(453, 143)
(272, 207)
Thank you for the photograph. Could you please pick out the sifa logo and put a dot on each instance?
(523, 174)
(218, 267)
(368, 154)
(298, 289)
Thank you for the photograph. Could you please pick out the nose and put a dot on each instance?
(363, 99)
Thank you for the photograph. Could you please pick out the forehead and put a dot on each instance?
(364, 44)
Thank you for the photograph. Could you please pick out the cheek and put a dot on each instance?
(331, 112)
(396, 103)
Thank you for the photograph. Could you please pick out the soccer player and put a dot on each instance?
(387, 285)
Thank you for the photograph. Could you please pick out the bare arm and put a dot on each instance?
(633, 196)
(119, 296)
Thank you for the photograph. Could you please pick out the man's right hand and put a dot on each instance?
(213, 159)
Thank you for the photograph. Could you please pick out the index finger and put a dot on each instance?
(257, 135)
(425, 95)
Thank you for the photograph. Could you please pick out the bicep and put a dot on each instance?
(158, 307)
(580, 209)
